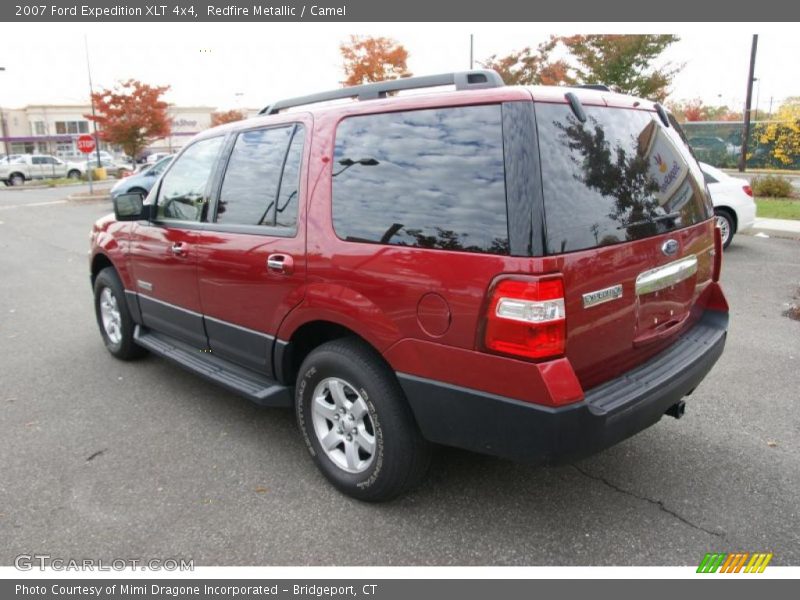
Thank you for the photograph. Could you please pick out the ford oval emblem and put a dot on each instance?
(670, 248)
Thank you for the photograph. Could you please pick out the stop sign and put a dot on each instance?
(86, 144)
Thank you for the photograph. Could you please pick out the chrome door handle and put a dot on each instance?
(178, 249)
(279, 263)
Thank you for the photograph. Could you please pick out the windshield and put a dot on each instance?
(619, 176)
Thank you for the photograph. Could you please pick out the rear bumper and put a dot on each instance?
(746, 215)
(489, 424)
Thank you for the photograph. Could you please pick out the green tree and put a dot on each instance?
(623, 62)
(626, 63)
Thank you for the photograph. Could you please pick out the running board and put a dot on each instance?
(249, 384)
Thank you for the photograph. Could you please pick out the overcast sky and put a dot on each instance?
(249, 65)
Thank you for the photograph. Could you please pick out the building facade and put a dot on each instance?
(54, 129)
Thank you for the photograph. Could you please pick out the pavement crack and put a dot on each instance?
(658, 503)
(95, 455)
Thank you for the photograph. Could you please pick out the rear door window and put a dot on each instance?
(253, 177)
(619, 176)
(427, 178)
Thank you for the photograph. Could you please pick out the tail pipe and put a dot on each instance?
(677, 410)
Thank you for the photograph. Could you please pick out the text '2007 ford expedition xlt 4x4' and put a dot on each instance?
(527, 272)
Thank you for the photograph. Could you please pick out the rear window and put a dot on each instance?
(619, 176)
(425, 178)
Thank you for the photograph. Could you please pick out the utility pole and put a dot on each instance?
(748, 102)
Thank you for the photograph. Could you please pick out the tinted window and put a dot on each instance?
(182, 195)
(253, 175)
(619, 176)
(428, 178)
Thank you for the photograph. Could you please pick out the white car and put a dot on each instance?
(734, 207)
(155, 157)
(25, 167)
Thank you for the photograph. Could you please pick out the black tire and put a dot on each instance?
(74, 174)
(124, 348)
(16, 179)
(730, 225)
(401, 457)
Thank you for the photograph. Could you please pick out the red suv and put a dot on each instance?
(527, 272)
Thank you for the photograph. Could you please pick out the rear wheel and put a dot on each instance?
(724, 221)
(113, 317)
(357, 424)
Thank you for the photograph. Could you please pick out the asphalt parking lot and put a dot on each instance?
(105, 459)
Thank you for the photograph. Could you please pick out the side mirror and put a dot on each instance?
(131, 207)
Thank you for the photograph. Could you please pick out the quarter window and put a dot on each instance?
(183, 194)
(427, 179)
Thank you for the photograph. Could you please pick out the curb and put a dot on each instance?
(22, 188)
(773, 233)
(83, 198)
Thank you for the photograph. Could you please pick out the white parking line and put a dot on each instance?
(51, 202)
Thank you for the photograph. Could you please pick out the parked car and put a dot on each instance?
(4, 160)
(37, 166)
(385, 267)
(141, 182)
(155, 157)
(114, 168)
(92, 156)
(711, 144)
(734, 207)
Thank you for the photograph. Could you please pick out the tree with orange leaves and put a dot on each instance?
(228, 116)
(531, 67)
(131, 115)
(369, 59)
(626, 63)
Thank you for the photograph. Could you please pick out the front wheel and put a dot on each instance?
(74, 174)
(357, 423)
(725, 223)
(113, 317)
(16, 179)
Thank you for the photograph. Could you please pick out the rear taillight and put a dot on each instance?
(748, 190)
(526, 317)
(717, 254)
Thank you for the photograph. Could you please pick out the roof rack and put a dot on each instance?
(464, 80)
(600, 87)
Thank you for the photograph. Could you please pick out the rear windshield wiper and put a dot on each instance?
(665, 217)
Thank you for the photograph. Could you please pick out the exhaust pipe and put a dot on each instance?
(677, 410)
